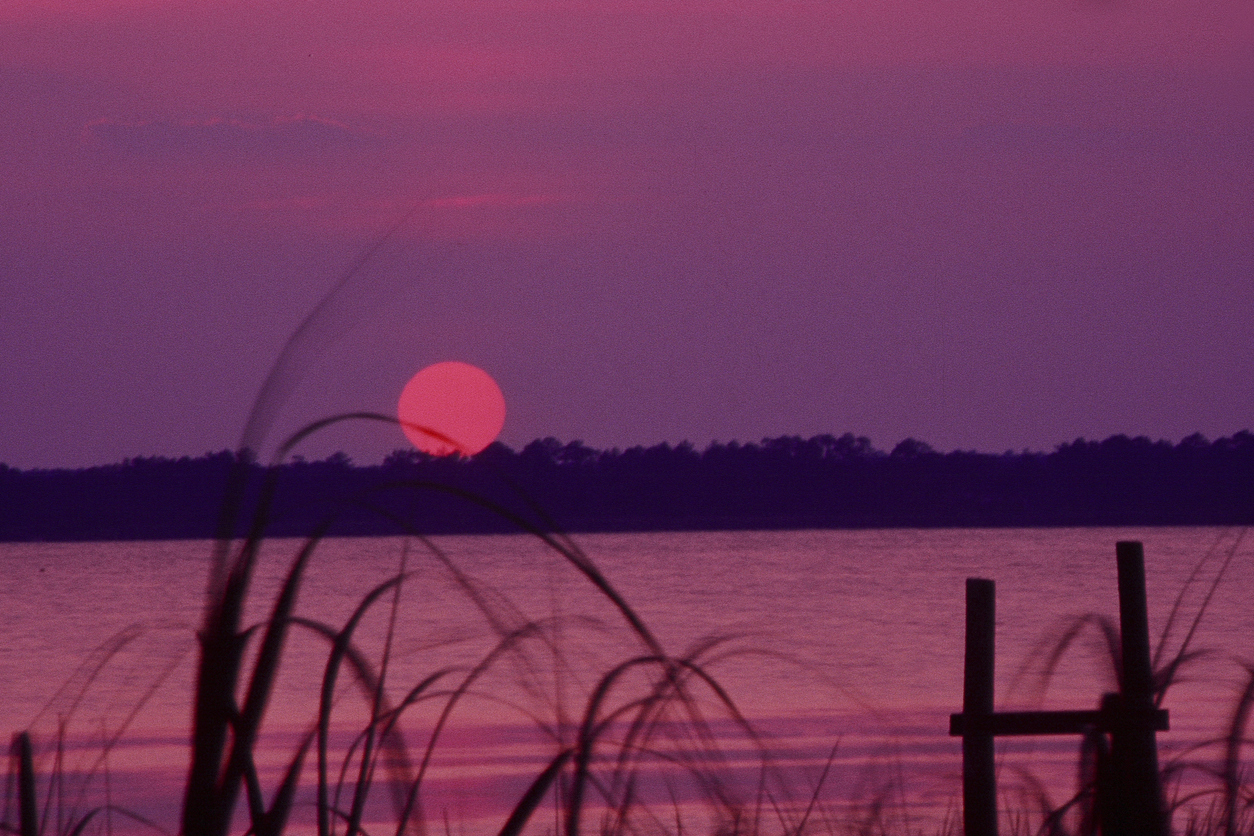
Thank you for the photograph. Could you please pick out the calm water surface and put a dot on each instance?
(823, 639)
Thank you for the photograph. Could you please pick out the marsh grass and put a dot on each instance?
(640, 730)
(1205, 784)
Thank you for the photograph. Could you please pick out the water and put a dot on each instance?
(846, 639)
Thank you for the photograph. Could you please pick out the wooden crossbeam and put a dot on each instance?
(1023, 723)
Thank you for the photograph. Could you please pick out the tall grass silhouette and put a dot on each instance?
(642, 727)
(1206, 794)
(647, 716)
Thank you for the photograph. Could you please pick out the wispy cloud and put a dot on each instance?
(495, 200)
(218, 137)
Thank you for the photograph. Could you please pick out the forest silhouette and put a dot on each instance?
(787, 482)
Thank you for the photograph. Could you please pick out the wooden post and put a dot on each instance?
(1129, 797)
(979, 779)
(28, 809)
(1134, 751)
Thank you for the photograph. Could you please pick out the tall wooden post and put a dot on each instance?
(28, 809)
(979, 779)
(1134, 751)
(1129, 792)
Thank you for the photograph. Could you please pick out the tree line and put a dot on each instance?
(787, 482)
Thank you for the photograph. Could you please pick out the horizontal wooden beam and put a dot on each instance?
(1023, 723)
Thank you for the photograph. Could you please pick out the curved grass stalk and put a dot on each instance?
(503, 646)
(77, 687)
(87, 819)
(535, 793)
(388, 716)
(222, 651)
(645, 713)
(215, 775)
(338, 652)
(1166, 674)
(377, 707)
(1231, 774)
(88, 671)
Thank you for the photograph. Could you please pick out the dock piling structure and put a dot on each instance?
(1130, 803)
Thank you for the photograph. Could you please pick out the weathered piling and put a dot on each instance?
(28, 810)
(1133, 749)
(979, 780)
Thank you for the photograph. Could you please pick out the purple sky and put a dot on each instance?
(988, 224)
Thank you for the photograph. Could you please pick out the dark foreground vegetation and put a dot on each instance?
(786, 482)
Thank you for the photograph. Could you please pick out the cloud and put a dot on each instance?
(495, 200)
(298, 136)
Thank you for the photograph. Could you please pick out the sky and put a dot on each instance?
(985, 224)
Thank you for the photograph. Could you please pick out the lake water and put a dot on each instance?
(844, 642)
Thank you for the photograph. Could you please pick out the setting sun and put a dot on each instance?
(451, 407)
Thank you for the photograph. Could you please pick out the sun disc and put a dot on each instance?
(451, 407)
